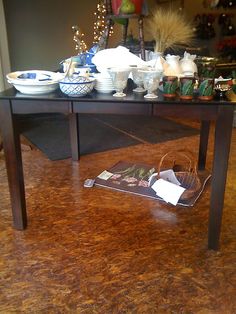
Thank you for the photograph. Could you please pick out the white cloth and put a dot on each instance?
(116, 57)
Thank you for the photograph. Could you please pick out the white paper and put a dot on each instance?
(152, 178)
(105, 175)
(169, 176)
(168, 191)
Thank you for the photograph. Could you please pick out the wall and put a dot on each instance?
(4, 56)
(40, 35)
(39, 32)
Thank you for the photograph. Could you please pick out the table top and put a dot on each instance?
(131, 97)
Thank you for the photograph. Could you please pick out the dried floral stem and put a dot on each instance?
(169, 29)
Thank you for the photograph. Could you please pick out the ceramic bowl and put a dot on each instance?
(35, 89)
(34, 81)
(77, 86)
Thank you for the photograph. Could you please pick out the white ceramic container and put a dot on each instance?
(34, 81)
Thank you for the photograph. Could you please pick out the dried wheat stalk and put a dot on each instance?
(169, 29)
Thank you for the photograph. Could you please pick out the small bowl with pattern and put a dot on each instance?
(77, 86)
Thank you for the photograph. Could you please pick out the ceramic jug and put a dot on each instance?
(188, 66)
(173, 65)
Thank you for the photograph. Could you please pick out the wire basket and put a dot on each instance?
(185, 172)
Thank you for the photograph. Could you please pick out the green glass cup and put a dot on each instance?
(170, 85)
(206, 88)
(186, 87)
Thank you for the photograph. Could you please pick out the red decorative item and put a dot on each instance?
(117, 3)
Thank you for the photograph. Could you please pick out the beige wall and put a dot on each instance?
(4, 56)
(39, 31)
(40, 35)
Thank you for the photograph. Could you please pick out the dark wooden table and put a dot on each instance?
(13, 103)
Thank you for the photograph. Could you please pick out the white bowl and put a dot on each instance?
(34, 81)
(77, 86)
(35, 89)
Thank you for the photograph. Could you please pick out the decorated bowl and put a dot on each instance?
(77, 86)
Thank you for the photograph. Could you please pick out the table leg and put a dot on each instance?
(12, 150)
(74, 135)
(223, 131)
(204, 135)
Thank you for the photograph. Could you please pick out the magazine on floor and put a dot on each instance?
(134, 178)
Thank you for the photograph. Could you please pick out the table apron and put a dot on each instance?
(201, 112)
(40, 106)
(198, 111)
(112, 108)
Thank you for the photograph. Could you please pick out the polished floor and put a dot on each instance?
(103, 251)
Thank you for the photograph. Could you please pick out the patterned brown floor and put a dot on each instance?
(101, 251)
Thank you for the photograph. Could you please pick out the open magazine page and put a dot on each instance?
(133, 178)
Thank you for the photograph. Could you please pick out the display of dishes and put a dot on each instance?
(34, 81)
(103, 83)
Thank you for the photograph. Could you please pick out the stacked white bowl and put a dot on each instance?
(103, 83)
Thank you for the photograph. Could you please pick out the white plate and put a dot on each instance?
(103, 81)
(104, 91)
(104, 85)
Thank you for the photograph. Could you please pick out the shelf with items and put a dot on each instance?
(114, 15)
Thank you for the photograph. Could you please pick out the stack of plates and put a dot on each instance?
(34, 81)
(103, 83)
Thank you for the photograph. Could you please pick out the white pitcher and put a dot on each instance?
(174, 67)
(188, 66)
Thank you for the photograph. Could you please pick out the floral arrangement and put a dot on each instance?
(169, 29)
